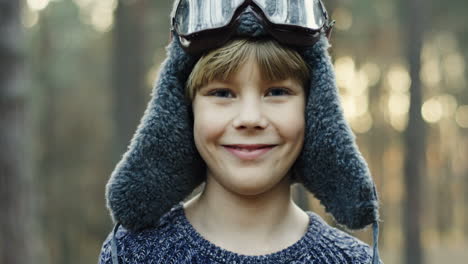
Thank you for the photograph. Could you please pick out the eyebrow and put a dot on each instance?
(288, 82)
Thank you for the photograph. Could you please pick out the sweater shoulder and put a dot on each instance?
(351, 248)
(140, 246)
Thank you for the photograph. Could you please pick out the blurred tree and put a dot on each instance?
(415, 135)
(129, 70)
(15, 183)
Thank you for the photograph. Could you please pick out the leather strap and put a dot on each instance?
(114, 252)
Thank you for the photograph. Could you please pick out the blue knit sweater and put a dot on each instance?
(176, 241)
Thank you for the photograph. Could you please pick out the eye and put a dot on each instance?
(226, 93)
(278, 91)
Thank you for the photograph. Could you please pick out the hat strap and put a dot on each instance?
(115, 260)
(375, 235)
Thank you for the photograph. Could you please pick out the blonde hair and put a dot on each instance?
(275, 63)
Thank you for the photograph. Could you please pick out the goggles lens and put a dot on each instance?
(303, 13)
(197, 15)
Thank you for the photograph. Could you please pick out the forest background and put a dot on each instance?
(76, 75)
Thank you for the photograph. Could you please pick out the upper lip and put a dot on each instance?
(250, 146)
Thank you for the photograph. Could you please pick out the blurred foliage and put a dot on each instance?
(71, 52)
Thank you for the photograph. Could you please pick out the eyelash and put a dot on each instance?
(217, 91)
(285, 91)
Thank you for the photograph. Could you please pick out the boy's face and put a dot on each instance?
(246, 110)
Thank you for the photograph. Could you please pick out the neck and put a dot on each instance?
(218, 214)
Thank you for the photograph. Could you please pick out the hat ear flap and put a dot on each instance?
(161, 166)
(330, 165)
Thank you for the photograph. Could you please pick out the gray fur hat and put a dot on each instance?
(162, 165)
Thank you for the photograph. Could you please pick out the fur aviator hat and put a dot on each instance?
(162, 165)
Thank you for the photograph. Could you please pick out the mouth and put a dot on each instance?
(249, 151)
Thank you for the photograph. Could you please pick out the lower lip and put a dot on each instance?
(248, 155)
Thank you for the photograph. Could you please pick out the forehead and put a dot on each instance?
(250, 72)
(250, 69)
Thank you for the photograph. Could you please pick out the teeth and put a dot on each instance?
(243, 149)
(248, 150)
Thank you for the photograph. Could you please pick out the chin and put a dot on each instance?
(250, 184)
(249, 190)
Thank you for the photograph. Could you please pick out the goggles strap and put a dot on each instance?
(375, 231)
(329, 29)
(115, 260)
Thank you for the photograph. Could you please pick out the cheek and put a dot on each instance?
(293, 132)
(290, 121)
(207, 126)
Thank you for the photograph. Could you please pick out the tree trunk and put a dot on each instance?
(129, 76)
(15, 181)
(414, 138)
(49, 153)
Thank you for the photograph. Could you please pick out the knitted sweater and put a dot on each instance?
(176, 241)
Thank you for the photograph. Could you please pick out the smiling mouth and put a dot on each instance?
(248, 152)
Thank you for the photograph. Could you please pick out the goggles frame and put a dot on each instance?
(291, 35)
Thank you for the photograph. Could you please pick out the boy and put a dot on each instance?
(247, 116)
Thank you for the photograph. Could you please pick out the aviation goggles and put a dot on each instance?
(206, 24)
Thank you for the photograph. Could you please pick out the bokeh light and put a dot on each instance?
(362, 124)
(454, 66)
(353, 82)
(398, 83)
(343, 18)
(37, 5)
(398, 104)
(461, 116)
(448, 103)
(398, 78)
(372, 72)
(83, 3)
(29, 17)
(102, 19)
(97, 13)
(345, 70)
(432, 110)
(430, 72)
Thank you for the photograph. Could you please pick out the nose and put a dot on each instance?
(250, 116)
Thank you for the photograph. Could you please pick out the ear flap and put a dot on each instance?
(161, 166)
(330, 165)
